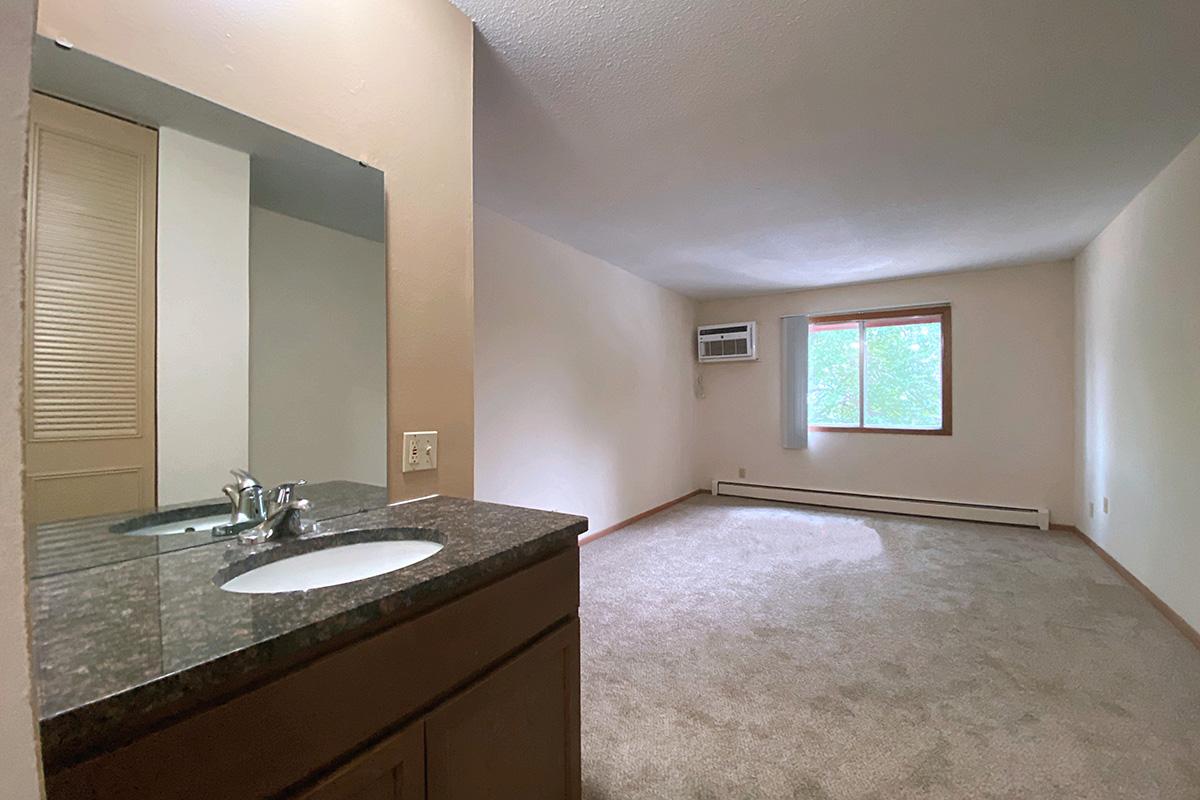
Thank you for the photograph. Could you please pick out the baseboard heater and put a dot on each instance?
(944, 509)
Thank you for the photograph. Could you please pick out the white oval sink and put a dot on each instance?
(332, 566)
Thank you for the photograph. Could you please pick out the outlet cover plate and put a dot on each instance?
(420, 451)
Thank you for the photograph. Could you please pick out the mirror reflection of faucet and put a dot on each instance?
(246, 497)
(256, 514)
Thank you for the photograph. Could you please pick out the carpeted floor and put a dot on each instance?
(741, 649)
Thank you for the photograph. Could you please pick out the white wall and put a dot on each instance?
(318, 352)
(203, 315)
(21, 776)
(1138, 373)
(583, 380)
(1013, 431)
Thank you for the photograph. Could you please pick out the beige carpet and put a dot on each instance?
(736, 649)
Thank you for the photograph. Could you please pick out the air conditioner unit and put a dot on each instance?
(733, 341)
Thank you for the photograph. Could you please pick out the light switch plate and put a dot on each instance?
(420, 451)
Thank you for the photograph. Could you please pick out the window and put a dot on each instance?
(880, 371)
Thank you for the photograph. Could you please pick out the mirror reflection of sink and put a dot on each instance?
(198, 525)
(341, 558)
(198, 519)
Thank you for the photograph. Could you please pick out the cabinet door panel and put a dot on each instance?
(392, 770)
(515, 733)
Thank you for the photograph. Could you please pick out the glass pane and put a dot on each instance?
(833, 374)
(903, 374)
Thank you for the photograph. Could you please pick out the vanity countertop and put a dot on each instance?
(138, 638)
(83, 543)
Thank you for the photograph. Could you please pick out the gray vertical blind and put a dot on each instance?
(794, 378)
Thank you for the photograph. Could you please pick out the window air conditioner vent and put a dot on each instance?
(727, 342)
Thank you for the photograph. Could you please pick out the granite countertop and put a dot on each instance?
(83, 543)
(126, 639)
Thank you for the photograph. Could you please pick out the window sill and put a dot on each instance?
(903, 431)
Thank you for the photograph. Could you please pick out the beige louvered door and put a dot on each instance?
(89, 345)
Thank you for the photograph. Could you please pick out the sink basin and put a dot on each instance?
(332, 566)
(198, 519)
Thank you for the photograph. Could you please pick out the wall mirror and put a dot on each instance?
(204, 293)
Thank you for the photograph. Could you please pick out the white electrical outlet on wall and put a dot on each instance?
(420, 451)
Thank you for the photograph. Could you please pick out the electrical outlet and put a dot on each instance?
(1091, 509)
(741, 472)
(420, 451)
(1106, 505)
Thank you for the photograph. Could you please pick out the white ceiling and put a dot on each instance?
(721, 147)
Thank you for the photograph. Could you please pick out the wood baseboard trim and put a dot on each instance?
(1172, 616)
(594, 535)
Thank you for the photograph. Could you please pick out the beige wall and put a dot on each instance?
(584, 380)
(1013, 393)
(1138, 374)
(318, 353)
(384, 81)
(18, 735)
(203, 319)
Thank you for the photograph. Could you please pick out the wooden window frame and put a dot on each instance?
(941, 311)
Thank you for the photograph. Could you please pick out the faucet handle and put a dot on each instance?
(244, 479)
(282, 494)
(235, 498)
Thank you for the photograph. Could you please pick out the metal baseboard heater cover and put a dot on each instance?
(943, 509)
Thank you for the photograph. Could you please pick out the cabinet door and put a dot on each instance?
(392, 770)
(515, 733)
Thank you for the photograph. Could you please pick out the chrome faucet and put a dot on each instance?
(252, 507)
(283, 521)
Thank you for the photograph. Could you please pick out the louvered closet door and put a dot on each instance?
(89, 352)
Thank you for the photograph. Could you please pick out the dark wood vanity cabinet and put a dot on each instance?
(512, 734)
(474, 698)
